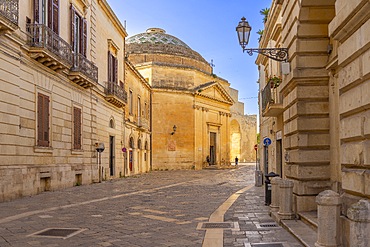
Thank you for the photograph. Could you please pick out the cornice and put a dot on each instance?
(109, 12)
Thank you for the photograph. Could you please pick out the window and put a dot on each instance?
(47, 12)
(77, 125)
(112, 68)
(79, 33)
(138, 107)
(43, 103)
(131, 103)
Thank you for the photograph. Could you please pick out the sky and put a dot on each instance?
(208, 27)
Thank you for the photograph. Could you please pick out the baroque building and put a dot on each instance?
(190, 105)
(64, 93)
(317, 112)
(79, 106)
(209, 119)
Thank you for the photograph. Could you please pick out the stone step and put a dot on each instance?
(309, 218)
(304, 233)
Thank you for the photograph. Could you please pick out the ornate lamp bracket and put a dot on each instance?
(277, 54)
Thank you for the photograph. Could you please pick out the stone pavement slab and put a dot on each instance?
(255, 223)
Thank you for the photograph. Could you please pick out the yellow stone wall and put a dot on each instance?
(324, 112)
(28, 169)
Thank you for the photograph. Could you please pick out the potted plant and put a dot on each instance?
(275, 81)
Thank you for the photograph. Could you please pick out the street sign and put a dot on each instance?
(255, 147)
(266, 141)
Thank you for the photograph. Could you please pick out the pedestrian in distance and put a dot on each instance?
(236, 160)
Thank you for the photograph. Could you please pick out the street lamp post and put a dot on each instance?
(243, 29)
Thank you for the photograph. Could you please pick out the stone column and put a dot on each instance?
(359, 216)
(328, 214)
(275, 191)
(286, 200)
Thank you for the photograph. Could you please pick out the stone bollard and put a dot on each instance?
(359, 216)
(275, 191)
(286, 200)
(328, 214)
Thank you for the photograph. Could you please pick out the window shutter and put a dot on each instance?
(43, 120)
(109, 67)
(55, 9)
(46, 120)
(77, 128)
(115, 70)
(73, 27)
(39, 119)
(36, 11)
(84, 37)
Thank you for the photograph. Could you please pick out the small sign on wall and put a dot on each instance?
(172, 145)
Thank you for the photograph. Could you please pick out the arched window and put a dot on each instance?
(132, 144)
(146, 147)
(139, 144)
(111, 123)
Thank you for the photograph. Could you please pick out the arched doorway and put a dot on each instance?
(235, 140)
(139, 155)
(131, 154)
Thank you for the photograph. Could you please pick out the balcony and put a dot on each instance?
(83, 72)
(272, 103)
(115, 94)
(49, 48)
(143, 123)
(9, 12)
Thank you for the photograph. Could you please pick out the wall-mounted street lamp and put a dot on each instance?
(174, 128)
(243, 29)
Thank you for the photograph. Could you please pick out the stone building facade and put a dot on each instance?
(317, 116)
(63, 93)
(190, 105)
(243, 131)
(70, 89)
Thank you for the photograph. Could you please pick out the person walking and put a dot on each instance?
(236, 160)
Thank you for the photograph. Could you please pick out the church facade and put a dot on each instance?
(191, 106)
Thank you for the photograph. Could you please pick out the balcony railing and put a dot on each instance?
(115, 94)
(10, 10)
(83, 65)
(42, 37)
(271, 101)
(83, 71)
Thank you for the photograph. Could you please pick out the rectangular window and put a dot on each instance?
(112, 68)
(145, 109)
(79, 33)
(138, 107)
(77, 126)
(47, 12)
(43, 122)
(131, 103)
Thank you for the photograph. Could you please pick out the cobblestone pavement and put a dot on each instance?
(161, 208)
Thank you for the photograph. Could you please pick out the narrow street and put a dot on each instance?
(161, 208)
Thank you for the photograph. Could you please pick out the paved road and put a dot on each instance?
(161, 208)
(154, 209)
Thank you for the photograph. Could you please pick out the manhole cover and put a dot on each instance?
(58, 232)
(267, 245)
(267, 225)
(217, 225)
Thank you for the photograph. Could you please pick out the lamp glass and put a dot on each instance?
(243, 30)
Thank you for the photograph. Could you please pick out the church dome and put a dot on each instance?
(156, 41)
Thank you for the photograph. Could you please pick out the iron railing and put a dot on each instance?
(83, 65)
(10, 10)
(117, 91)
(43, 37)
